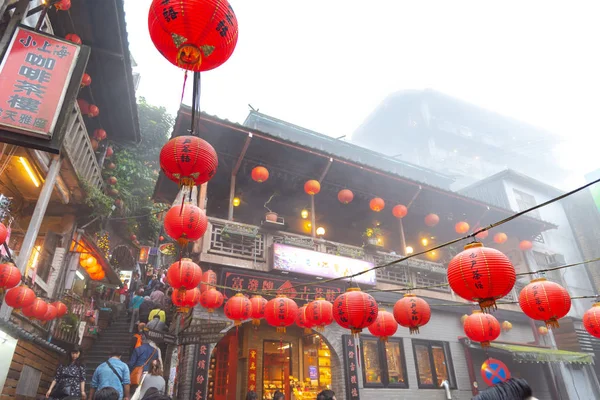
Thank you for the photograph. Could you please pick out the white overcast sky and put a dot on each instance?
(326, 64)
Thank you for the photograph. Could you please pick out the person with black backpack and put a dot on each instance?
(112, 373)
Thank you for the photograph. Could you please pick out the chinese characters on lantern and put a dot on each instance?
(201, 376)
(351, 363)
(475, 271)
(252, 354)
(538, 301)
(414, 314)
(33, 80)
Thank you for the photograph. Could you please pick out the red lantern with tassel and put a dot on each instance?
(377, 204)
(188, 160)
(73, 38)
(482, 328)
(400, 211)
(61, 308)
(432, 220)
(525, 245)
(184, 300)
(320, 312)
(209, 279)
(281, 312)
(345, 196)
(312, 187)
(238, 308)
(10, 276)
(37, 310)
(259, 304)
(481, 274)
(196, 35)
(260, 174)
(412, 312)
(93, 111)
(3, 233)
(500, 237)
(184, 274)
(384, 326)
(211, 300)
(185, 224)
(100, 135)
(50, 314)
(303, 322)
(546, 301)
(19, 297)
(355, 310)
(462, 227)
(591, 320)
(86, 80)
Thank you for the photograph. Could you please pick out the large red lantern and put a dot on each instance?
(188, 160)
(10, 276)
(500, 237)
(50, 313)
(3, 233)
(86, 80)
(384, 326)
(400, 211)
(320, 312)
(37, 310)
(591, 320)
(185, 299)
(345, 196)
(525, 245)
(281, 312)
(187, 223)
(481, 274)
(312, 187)
(209, 279)
(482, 328)
(546, 301)
(211, 300)
(432, 220)
(19, 297)
(260, 174)
(184, 274)
(462, 227)
(303, 322)
(259, 304)
(61, 308)
(355, 310)
(377, 204)
(196, 35)
(238, 308)
(412, 312)
(73, 38)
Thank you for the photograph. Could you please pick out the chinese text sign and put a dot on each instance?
(252, 369)
(200, 383)
(350, 357)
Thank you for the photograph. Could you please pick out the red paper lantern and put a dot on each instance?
(185, 224)
(211, 300)
(462, 227)
(591, 320)
(3, 233)
(161, 238)
(259, 305)
(303, 322)
(482, 235)
(312, 187)
(546, 301)
(188, 160)
(95, 144)
(37, 310)
(73, 38)
(281, 312)
(10, 276)
(345, 196)
(209, 280)
(412, 312)
(119, 203)
(525, 245)
(482, 328)
(99, 135)
(112, 180)
(197, 35)
(86, 80)
(384, 325)
(238, 308)
(61, 308)
(377, 204)
(542, 330)
(400, 211)
(109, 151)
(19, 297)
(50, 314)
(63, 5)
(184, 274)
(184, 299)
(320, 312)
(481, 274)
(260, 174)
(500, 237)
(111, 166)
(355, 310)
(93, 111)
(432, 220)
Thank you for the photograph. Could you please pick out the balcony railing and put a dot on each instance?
(67, 328)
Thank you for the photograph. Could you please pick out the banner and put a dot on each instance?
(252, 372)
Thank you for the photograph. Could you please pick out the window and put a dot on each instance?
(525, 201)
(433, 363)
(383, 363)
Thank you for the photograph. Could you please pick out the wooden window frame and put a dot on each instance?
(383, 364)
(448, 358)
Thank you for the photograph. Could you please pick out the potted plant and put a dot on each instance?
(270, 216)
(373, 236)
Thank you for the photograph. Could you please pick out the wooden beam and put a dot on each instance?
(231, 197)
(312, 216)
(414, 197)
(241, 156)
(326, 170)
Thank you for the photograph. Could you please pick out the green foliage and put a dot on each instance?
(100, 204)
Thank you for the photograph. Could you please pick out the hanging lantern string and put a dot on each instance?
(451, 242)
(505, 302)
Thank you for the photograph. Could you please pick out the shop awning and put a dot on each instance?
(532, 354)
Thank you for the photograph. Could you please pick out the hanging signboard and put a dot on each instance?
(252, 370)
(201, 374)
(35, 79)
(144, 255)
(323, 265)
(351, 364)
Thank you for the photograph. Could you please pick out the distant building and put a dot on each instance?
(446, 134)
(135, 73)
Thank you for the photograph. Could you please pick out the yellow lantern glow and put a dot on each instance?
(304, 214)
(236, 201)
(320, 231)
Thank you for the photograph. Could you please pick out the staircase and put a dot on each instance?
(116, 335)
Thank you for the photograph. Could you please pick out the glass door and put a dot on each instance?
(277, 364)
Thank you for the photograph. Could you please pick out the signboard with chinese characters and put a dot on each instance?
(308, 262)
(351, 366)
(34, 76)
(294, 289)
(252, 370)
(200, 383)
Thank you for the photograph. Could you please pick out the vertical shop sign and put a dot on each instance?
(34, 77)
(144, 255)
(201, 372)
(351, 365)
(252, 354)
